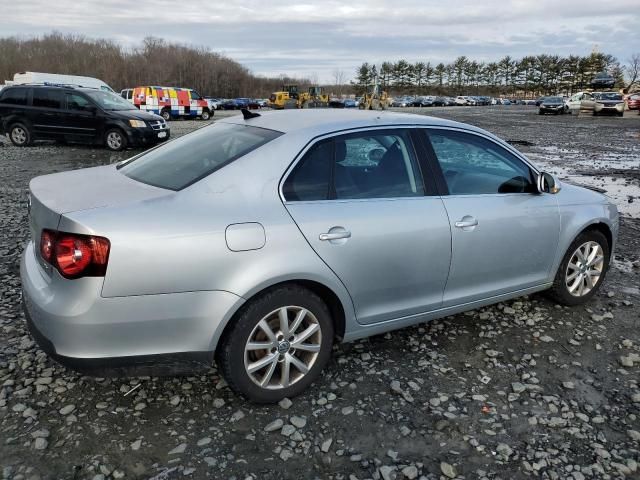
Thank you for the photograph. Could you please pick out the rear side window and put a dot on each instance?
(364, 165)
(14, 96)
(192, 157)
(47, 98)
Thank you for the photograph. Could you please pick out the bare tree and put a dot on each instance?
(339, 79)
(632, 71)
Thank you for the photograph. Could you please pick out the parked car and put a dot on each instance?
(350, 103)
(422, 102)
(462, 100)
(178, 255)
(169, 102)
(633, 101)
(608, 103)
(603, 80)
(229, 104)
(263, 102)
(440, 102)
(581, 101)
(76, 115)
(214, 103)
(505, 101)
(554, 105)
(402, 102)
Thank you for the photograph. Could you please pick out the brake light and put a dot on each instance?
(75, 255)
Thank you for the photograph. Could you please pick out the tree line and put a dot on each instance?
(528, 76)
(154, 62)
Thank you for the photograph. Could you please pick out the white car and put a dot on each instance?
(462, 100)
(581, 101)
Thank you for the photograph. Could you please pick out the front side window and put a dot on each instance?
(364, 165)
(108, 100)
(47, 98)
(14, 96)
(192, 157)
(78, 102)
(473, 165)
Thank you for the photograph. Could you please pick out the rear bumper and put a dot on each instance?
(144, 334)
(146, 136)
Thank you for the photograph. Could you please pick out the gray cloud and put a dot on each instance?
(281, 37)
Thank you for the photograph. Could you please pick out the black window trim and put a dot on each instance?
(428, 184)
(435, 164)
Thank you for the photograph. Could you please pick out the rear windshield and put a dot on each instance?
(192, 157)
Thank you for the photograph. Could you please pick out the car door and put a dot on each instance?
(82, 118)
(587, 102)
(504, 234)
(362, 204)
(47, 114)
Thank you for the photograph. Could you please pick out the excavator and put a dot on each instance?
(374, 99)
(289, 97)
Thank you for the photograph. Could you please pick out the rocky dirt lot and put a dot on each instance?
(524, 389)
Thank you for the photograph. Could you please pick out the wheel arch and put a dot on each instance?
(331, 299)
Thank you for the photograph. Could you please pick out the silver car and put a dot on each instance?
(261, 240)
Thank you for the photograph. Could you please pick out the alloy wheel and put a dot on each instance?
(114, 140)
(584, 269)
(19, 135)
(282, 347)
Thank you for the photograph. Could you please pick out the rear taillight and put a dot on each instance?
(75, 255)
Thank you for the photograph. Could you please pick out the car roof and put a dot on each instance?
(321, 120)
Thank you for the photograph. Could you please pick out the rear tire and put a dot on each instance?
(205, 115)
(115, 140)
(20, 135)
(569, 291)
(166, 114)
(287, 352)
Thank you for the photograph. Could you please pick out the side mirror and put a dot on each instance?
(547, 183)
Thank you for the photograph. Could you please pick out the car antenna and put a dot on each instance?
(248, 115)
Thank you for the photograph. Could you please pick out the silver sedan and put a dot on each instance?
(260, 241)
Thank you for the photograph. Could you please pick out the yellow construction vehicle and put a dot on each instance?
(285, 98)
(374, 99)
(314, 98)
(289, 97)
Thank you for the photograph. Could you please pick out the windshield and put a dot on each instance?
(553, 100)
(109, 101)
(192, 157)
(610, 96)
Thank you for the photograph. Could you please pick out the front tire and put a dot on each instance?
(278, 345)
(166, 114)
(205, 115)
(583, 269)
(115, 140)
(20, 135)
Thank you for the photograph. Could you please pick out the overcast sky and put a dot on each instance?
(315, 38)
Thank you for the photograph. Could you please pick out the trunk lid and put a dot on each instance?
(51, 196)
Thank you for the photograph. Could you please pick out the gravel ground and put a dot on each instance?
(524, 389)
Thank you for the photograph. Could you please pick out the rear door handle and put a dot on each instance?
(334, 236)
(466, 222)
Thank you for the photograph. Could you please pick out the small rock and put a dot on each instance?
(203, 441)
(448, 470)
(326, 445)
(285, 403)
(518, 387)
(347, 410)
(410, 472)
(568, 385)
(179, 449)
(298, 422)
(40, 443)
(287, 430)
(275, 425)
(634, 435)
(175, 400)
(136, 445)
(66, 410)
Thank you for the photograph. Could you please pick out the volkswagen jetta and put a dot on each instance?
(261, 240)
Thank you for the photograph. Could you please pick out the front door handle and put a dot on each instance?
(466, 222)
(334, 235)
